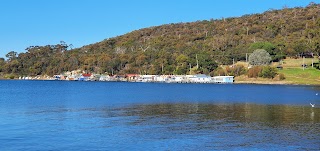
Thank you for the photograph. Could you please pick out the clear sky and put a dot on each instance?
(25, 23)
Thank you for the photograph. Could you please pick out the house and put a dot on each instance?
(179, 79)
(200, 78)
(55, 77)
(223, 79)
(132, 77)
(95, 77)
(85, 77)
(146, 78)
(72, 78)
(105, 78)
(120, 78)
(160, 78)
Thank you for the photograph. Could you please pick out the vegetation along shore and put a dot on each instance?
(275, 47)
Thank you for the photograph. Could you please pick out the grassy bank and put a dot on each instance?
(243, 79)
(300, 76)
(295, 74)
(292, 71)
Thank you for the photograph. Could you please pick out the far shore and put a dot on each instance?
(250, 81)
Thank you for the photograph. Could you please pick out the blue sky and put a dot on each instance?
(26, 23)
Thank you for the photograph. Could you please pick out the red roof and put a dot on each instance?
(86, 75)
(132, 75)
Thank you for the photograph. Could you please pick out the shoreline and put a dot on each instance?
(275, 83)
(235, 82)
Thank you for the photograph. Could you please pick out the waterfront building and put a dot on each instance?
(200, 78)
(223, 79)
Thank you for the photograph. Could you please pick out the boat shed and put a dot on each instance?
(223, 79)
(200, 78)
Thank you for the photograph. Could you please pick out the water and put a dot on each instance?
(60, 115)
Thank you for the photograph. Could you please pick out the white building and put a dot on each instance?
(146, 78)
(223, 79)
(200, 78)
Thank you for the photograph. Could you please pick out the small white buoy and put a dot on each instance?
(316, 93)
(312, 105)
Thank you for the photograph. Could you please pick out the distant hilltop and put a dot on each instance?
(199, 47)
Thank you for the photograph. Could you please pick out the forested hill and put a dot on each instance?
(173, 48)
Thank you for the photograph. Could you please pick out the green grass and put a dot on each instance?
(300, 76)
(292, 71)
(295, 74)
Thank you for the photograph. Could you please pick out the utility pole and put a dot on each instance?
(303, 63)
(162, 68)
(197, 61)
(232, 62)
(246, 57)
(190, 68)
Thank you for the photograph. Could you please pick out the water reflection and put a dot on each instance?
(275, 114)
(228, 126)
(187, 126)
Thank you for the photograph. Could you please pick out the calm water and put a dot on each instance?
(58, 115)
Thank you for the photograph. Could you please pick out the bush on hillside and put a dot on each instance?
(281, 76)
(254, 71)
(268, 72)
(262, 71)
(219, 72)
(236, 70)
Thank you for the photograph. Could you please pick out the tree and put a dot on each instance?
(2, 63)
(269, 47)
(300, 47)
(11, 55)
(276, 54)
(259, 57)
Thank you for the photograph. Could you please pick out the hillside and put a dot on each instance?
(174, 48)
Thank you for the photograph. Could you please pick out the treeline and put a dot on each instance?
(175, 48)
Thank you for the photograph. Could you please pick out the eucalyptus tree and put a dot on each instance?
(11, 55)
(259, 57)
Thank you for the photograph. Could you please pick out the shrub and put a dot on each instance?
(316, 65)
(254, 71)
(264, 72)
(268, 72)
(281, 76)
(236, 70)
(8, 76)
(219, 72)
